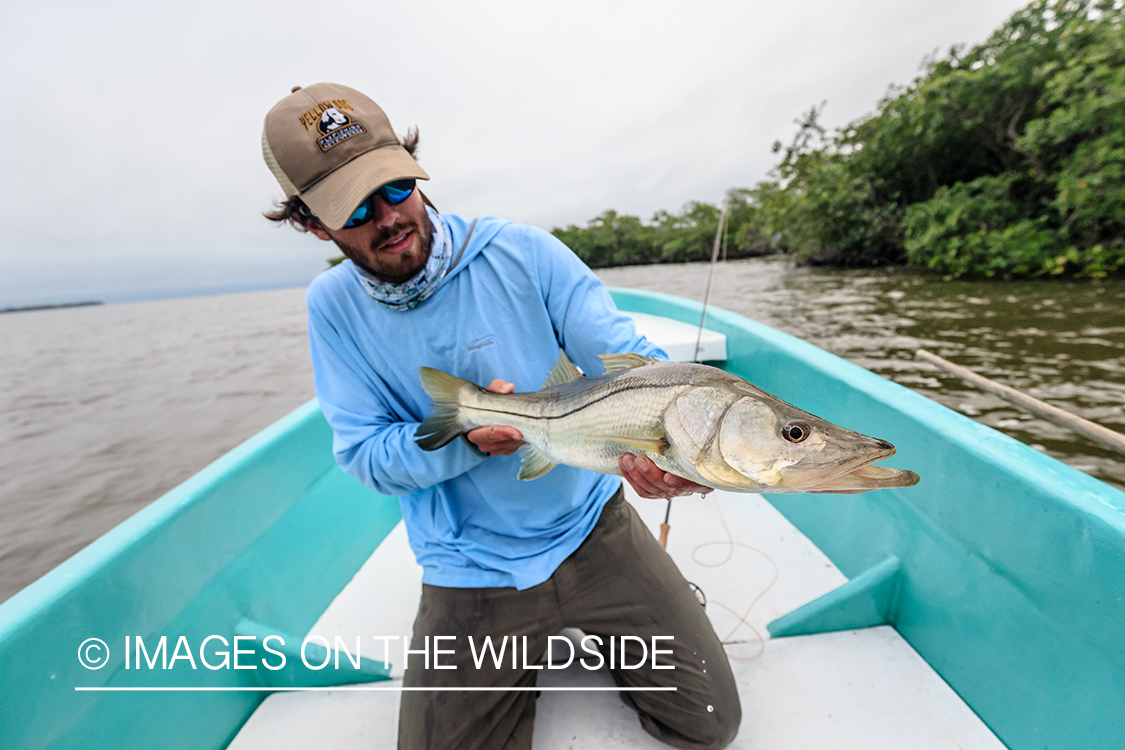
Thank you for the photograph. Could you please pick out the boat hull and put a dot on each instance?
(1007, 579)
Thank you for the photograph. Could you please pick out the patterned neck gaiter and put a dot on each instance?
(413, 292)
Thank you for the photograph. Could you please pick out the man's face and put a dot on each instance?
(393, 246)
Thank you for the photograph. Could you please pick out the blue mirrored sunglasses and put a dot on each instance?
(393, 193)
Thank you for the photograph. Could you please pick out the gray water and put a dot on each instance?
(104, 409)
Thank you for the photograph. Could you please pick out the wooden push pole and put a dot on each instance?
(1103, 436)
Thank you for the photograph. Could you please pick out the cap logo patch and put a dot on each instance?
(310, 117)
(341, 134)
(331, 122)
(336, 127)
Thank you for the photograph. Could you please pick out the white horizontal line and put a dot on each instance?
(364, 688)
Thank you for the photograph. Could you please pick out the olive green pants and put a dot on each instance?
(619, 582)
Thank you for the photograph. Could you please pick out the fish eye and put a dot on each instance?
(795, 431)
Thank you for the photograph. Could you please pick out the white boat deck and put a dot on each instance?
(855, 689)
(678, 339)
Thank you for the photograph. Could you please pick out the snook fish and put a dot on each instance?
(691, 420)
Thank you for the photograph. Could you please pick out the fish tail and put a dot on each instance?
(443, 424)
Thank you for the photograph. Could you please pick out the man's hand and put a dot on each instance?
(650, 481)
(497, 440)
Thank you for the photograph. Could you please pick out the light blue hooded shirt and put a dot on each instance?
(516, 296)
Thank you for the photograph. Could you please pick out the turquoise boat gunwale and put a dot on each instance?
(1011, 565)
(237, 523)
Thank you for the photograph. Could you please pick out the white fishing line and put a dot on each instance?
(741, 618)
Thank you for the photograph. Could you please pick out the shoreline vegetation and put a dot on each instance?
(1006, 160)
(29, 308)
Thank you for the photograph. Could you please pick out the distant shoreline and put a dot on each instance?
(29, 308)
(43, 300)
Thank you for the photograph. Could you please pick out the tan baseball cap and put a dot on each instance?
(333, 147)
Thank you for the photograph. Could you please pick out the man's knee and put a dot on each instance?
(717, 716)
(710, 726)
(721, 728)
(718, 723)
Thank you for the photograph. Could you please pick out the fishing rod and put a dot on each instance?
(719, 237)
(664, 527)
(720, 241)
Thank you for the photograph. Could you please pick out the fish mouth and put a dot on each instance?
(867, 478)
(859, 475)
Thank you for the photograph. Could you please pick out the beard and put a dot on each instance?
(395, 269)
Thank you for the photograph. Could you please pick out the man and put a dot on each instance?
(483, 299)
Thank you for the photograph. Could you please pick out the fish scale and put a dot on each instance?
(559, 426)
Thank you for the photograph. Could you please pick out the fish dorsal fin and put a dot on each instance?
(535, 464)
(564, 371)
(627, 361)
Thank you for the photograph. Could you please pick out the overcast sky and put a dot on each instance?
(131, 166)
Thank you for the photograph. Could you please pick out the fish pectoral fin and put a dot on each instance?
(656, 446)
(627, 361)
(563, 371)
(535, 464)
